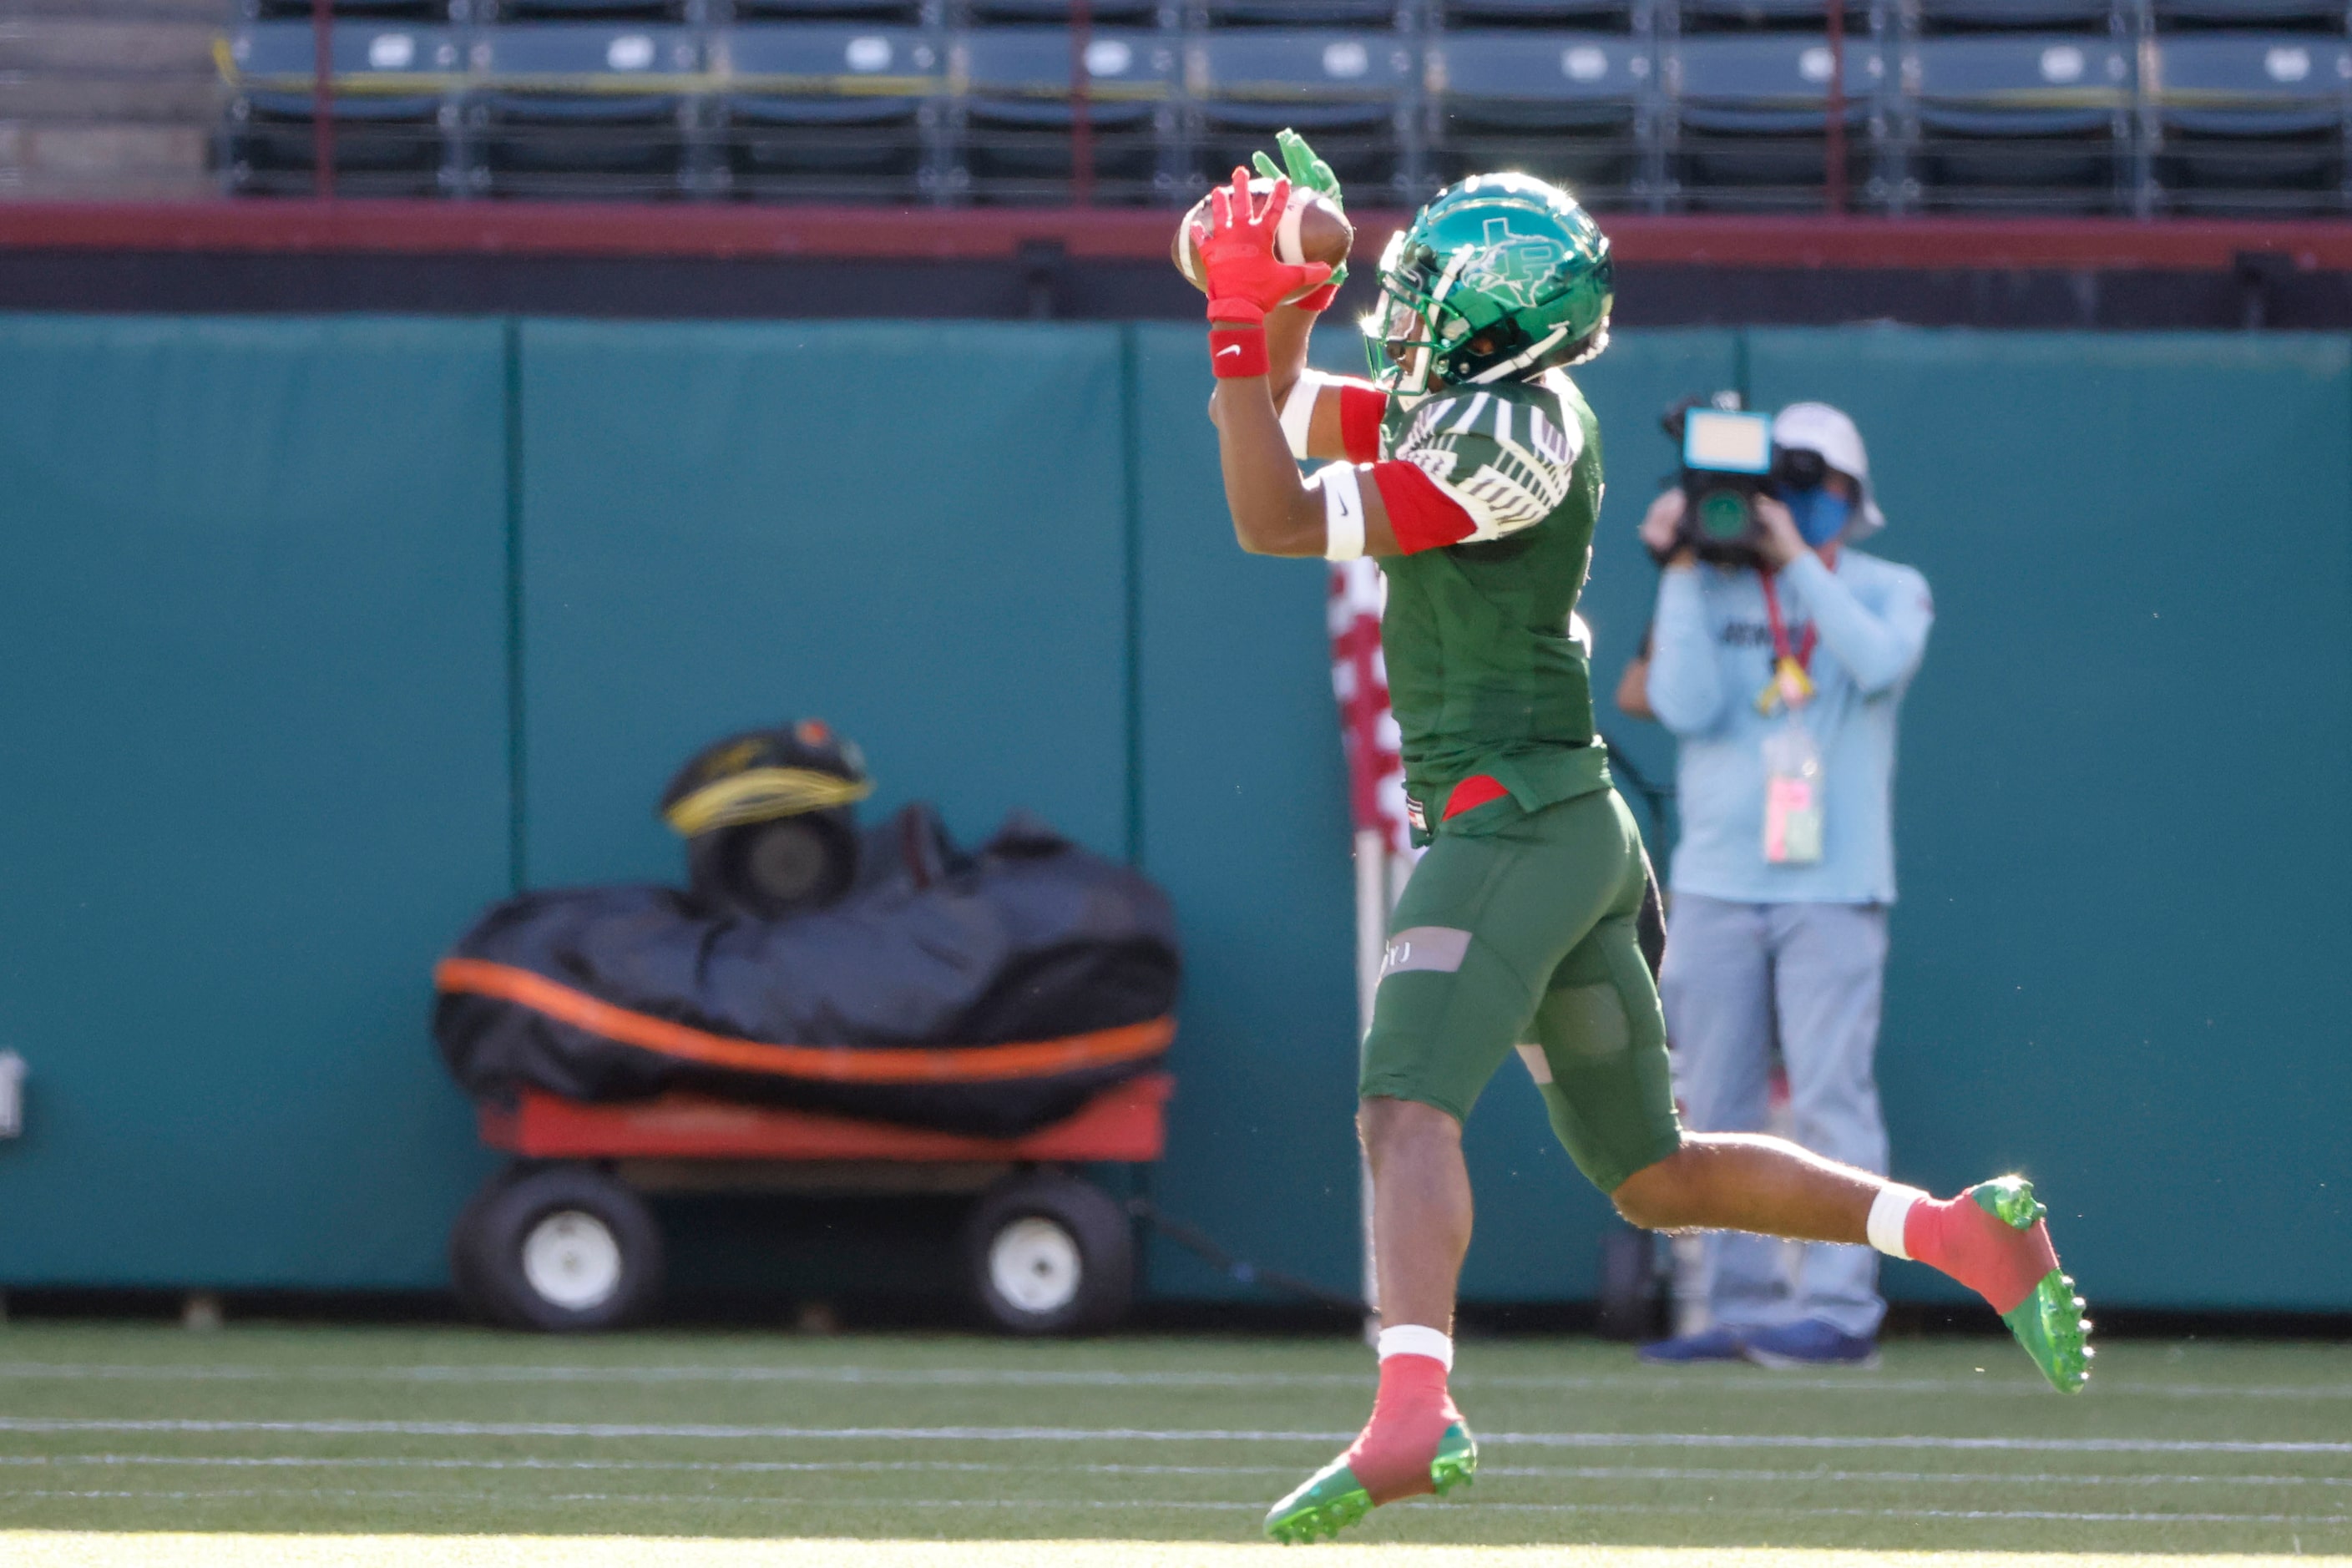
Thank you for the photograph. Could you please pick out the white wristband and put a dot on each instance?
(1298, 410)
(1888, 1210)
(1343, 512)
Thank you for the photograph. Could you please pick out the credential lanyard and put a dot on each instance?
(1791, 681)
(1802, 658)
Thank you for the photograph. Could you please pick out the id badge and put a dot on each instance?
(1790, 688)
(1792, 796)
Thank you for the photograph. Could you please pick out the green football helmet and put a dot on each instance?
(1500, 277)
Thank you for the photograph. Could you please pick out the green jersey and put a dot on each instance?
(1483, 675)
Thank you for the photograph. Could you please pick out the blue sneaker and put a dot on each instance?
(1714, 1344)
(1811, 1342)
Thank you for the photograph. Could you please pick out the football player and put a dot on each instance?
(1470, 466)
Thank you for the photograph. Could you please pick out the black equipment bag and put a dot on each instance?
(993, 993)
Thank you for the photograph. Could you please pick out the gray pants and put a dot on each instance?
(1738, 978)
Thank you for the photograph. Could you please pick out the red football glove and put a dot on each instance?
(1319, 299)
(1238, 257)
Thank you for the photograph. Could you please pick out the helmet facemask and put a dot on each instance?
(1401, 332)
(1399, 344)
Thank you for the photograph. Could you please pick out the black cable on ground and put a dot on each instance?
(1240, 1270)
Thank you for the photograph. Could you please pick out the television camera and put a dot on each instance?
(1727, 460)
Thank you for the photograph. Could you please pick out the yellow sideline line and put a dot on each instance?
(95, 1549)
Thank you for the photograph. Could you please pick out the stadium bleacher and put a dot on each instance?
(1939, 16)
(1569, 106)
(2021, 119)
(1015, 114)
(1751, 116)
(2250, 120)
(108, 100)
(1769, 15)
(2139, 106)
(825, 110)
(1350, 93)
(394, 109)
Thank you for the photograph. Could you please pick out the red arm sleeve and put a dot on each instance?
(1360, 411)
(1422, 516)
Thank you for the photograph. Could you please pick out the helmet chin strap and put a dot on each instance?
(1526, 356)
(1415, 382)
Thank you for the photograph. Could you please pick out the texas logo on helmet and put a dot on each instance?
(1501, 275)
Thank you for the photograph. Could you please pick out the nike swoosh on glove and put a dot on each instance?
(1245, 279)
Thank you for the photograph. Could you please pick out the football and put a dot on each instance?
(1311, 229)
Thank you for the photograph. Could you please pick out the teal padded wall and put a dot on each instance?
(723, 527)
(275, 593)
(2117, 962)
(253, 608)
(1246, 823)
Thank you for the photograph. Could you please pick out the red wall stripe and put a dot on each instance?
(399, 227)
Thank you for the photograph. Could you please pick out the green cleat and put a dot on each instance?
(1457, 1463)
(1332, 1499)
(2049, 1323)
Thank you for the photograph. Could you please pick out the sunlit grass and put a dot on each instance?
(93, 1550)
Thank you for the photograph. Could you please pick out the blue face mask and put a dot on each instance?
(1821, 513)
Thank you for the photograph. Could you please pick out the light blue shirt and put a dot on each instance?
(1711, 654)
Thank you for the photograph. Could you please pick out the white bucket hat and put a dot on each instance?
(1818, 427)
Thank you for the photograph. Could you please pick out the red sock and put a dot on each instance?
(1999, 1263)
(1409, 1414)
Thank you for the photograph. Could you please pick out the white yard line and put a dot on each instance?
(1970, 1513)
(963, 1466)
(695, 1431)
(129, 1549)
(1997, 1445)
(369, 1494)
(1893, 1477)
(702, 1431)
(691, 1466)
(954, 1504)
(1853, 1382)
(848, 1375)
(1974, 1513)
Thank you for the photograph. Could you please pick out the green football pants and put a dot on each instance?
(1517, 929)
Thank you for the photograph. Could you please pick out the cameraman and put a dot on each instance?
(1779, 923)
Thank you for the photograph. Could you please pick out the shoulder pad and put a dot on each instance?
(1507, 455)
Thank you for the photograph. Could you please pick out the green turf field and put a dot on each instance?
(186, 1550)
(1953, 1447)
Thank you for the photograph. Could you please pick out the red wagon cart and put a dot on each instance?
(562, 1239)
